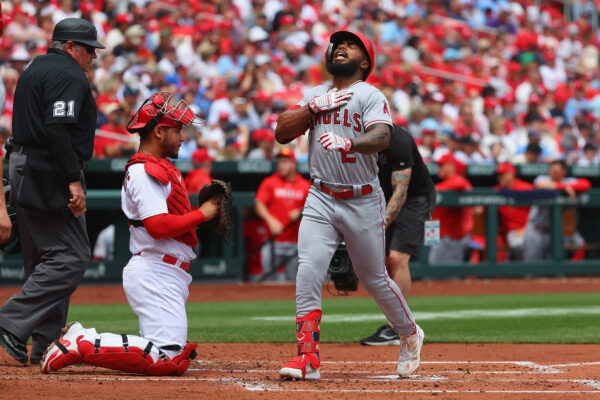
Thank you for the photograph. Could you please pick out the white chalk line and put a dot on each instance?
(540, 368)
(454, 314)
(366, 362)
(589, 382)
(579, 364)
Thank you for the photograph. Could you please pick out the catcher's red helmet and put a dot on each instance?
(161, 110)
(355, 36)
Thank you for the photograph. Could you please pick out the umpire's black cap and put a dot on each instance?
(78, 30)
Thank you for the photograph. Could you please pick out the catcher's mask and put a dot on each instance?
(162, 109)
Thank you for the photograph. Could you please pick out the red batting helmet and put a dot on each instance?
(161, 109)
(365, 43)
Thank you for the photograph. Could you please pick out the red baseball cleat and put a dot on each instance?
(305, 366)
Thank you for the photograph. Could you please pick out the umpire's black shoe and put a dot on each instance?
(385, 336)
(35, 360)
(13, 346)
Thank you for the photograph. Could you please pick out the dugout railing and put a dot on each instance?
(223, 261)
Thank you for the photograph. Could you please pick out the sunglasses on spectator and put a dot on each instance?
(89, 49)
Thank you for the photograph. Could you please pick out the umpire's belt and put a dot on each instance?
(166, 258)
(343, 191)
(41, 152)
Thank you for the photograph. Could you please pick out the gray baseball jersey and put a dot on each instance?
(358, 220)
(366, 107)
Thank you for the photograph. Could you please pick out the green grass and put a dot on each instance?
(546, 318)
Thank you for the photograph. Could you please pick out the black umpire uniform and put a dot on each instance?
(406, 233)
(54, 122)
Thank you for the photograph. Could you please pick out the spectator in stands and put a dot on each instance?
(134, 36)
(233, 150)
(427, 144)
(511, 219)
(200, 175)
(538, 238)
(471, 151)
(189, 145)
(532, 155)
(116, 35)
(113, 140)
(578, 104)
(589, 155)
(130, 101)
(244, 115)
(456, 223)
(224, 104)
(213, 137)
(560, 102)
(545, 142)
(498, 136)
(279, 202)
(265, 139)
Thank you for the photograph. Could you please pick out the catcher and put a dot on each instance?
(162, 226)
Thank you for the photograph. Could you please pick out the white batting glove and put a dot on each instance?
(333, 142)
(330, 100)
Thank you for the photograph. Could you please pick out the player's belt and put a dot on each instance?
(169, 259)
(345, 192)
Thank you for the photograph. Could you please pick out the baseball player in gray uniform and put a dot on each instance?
(348, 121)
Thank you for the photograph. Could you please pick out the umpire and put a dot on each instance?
(410, 196)
(54, 121)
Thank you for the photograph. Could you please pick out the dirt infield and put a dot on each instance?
(447, 371)
(249, 371)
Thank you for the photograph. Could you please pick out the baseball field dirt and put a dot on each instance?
(238, 370)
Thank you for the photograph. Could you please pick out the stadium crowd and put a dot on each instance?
(490, 81)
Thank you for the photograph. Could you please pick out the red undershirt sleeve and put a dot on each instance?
(580, 185)
(164, 226)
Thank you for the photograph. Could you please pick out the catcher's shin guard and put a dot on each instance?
(306, 364)
(134, 354)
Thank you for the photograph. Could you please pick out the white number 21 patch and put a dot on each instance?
(62, 109)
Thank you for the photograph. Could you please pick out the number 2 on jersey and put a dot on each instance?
(59, 108)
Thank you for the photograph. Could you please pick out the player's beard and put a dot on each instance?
(172, 149)
(342, 69)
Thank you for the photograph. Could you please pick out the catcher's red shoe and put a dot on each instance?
(64, 351)
(304, 366)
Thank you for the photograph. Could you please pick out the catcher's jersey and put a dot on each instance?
(366, 107)
(142, 197)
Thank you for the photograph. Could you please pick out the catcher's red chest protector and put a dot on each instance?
(178, 202)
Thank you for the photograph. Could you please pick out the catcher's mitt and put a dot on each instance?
(222, 223)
